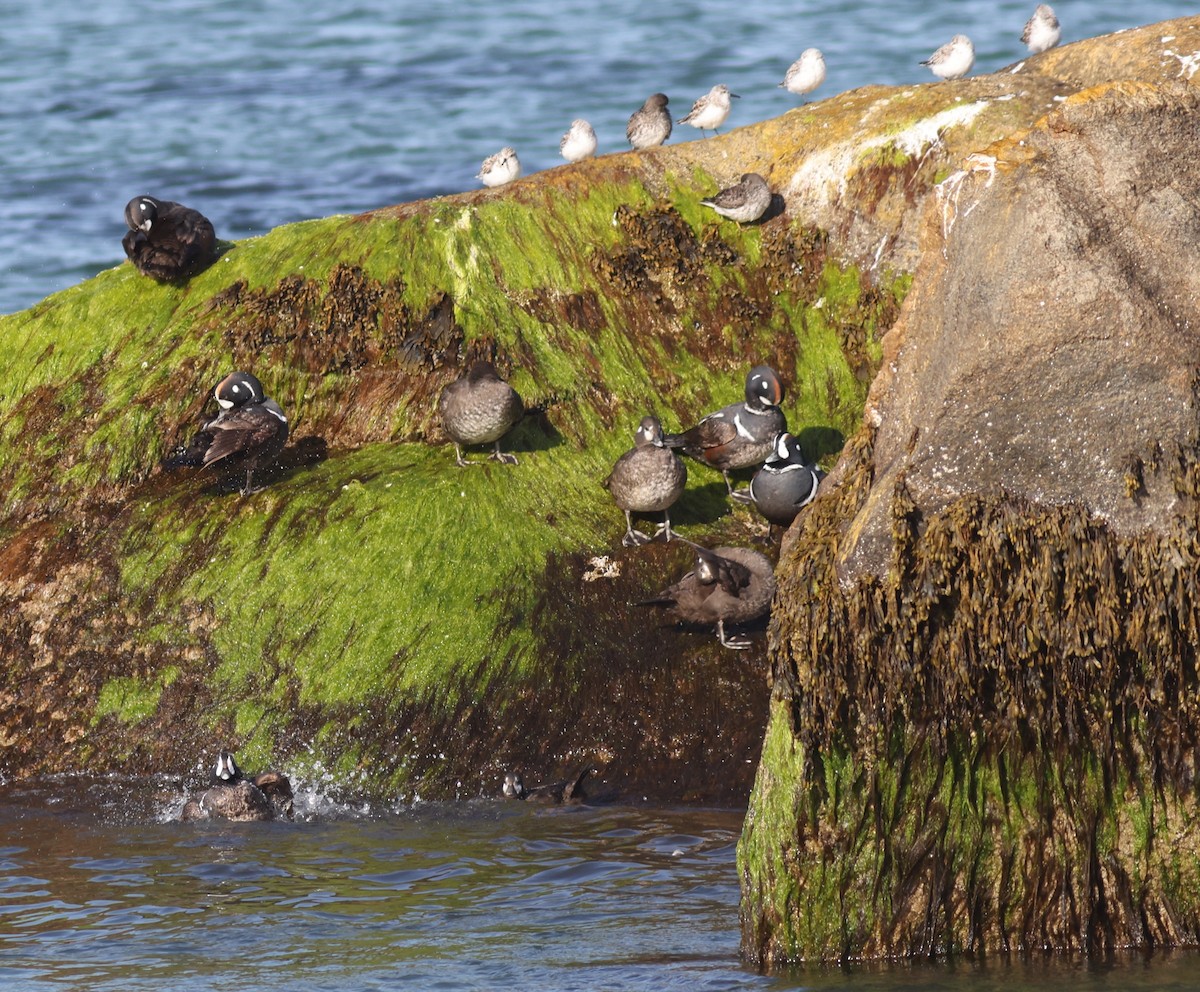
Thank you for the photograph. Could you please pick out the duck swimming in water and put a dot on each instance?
(553, 794)
(233, 796)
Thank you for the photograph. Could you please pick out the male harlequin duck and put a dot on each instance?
(233, 796)
(785, 484)
(649, 477)
(570, 791)
(249, 431)
(741, 434)
(480, 408)
(728, 585)
(167, 241)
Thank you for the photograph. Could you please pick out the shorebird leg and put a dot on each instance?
(501, 457)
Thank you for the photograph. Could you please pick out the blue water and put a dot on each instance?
(100, 890)
(261, 112)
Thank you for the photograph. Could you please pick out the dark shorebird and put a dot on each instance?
(167, 241)
(709, 112)
(648, 478)
(744, 202)
(553, 794)
(785, 484)
(480, 408)
(728, 585)
(231, 795)
(740, 435)
(651, 125)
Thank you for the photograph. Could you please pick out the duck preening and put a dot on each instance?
(785, 484)
(232, 795)
(727, 585)
(167, 241)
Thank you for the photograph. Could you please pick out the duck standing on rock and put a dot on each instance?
(648, 478)
(233, 796)
(728, 585)
(249, 431)
(740, 435)
(480, 408)
(785, 484)
(167, 241)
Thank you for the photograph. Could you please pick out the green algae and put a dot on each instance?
(132, 701)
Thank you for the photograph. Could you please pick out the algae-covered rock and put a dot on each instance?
(985, 726)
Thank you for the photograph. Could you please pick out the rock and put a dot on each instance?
(1001, 571)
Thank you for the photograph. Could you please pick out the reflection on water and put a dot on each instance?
(96, 893)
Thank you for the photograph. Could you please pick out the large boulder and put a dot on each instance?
(985, 642)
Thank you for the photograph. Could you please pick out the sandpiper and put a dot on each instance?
(806, 73)
(1042, 30)
(651, 125)
(501, 168)
(579, 142)
(744, 202)
(709, 112)
(953, 59)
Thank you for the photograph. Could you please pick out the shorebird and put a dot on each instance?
(501, 168)
(806, 73)
(709, 112)
(651, 125)
(744, 202)
(579, 142)
(953, 59)
(1042, 30)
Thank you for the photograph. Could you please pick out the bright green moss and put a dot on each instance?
(130, 700)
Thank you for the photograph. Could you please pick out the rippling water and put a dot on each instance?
(100, 890)
(261, 112)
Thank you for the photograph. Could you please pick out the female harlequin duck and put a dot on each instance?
(556, 793)
(249, 431)
(167, 241)
(740, 435)
(233, 796)
(785, 484)
(480, 408)
(728, 585)
(648, 478)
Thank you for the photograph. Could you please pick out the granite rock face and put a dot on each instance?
(985, 643)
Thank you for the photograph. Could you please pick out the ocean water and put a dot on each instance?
(262, 112)
(100, 890)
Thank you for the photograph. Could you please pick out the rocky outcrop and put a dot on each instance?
(985, 643)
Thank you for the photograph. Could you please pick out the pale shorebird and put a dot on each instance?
(806, 73)
(1042, 30)
(501, 168)
(709, 112)
(953, 59)
(651, 125)
(745, 202)
(579, 142)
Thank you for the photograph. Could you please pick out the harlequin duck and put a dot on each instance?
(557, 793)
(233, 796)
(649, 477)
(785, 484)
(741, 434)
(249, 431)
(479, 408)
(733, 585)
(167, 241)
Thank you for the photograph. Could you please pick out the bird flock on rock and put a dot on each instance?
(170, 243)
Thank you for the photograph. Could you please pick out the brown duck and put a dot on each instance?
(233, 796)
(553, 794)
(648, 478)
(480, 408)
(728, 585)
(167, 241)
